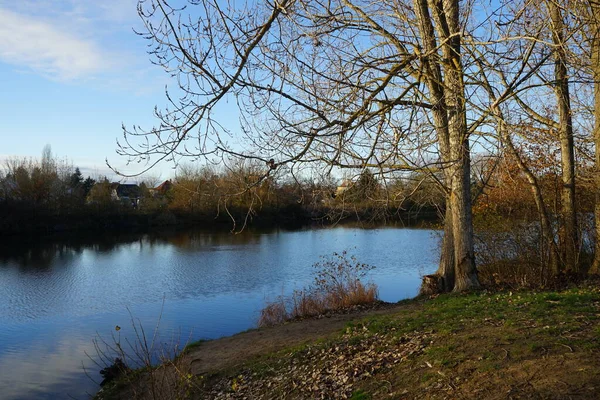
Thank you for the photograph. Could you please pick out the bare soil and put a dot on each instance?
(522, 345)
(232, 351)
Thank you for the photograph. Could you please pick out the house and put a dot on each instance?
(345, 185)
(162, 189)
(129, 194)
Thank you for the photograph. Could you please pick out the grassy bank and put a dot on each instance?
(479, 345)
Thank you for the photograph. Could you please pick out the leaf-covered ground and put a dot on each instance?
(505, 345)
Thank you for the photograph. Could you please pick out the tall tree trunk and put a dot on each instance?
(568, 231)
(462, 220)
(446, 267)
(450, 118)
(460, 195)
(443, 279)
(595, 44)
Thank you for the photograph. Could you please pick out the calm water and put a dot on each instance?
(56, 296)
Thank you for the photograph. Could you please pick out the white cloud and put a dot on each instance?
(47, 49)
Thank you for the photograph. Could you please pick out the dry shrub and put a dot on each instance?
(512, 254)
(274, 313)
(141, 365)
(514, 274)
(337, 286)
(515, 254)
(339, 280)
(360, 294)
(306, 303)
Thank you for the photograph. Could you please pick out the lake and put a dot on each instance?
(58, 294)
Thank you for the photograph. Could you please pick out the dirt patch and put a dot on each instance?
(231, 351)
(522, 345)
(321, 371)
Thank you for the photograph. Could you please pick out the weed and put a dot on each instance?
(141, 366)
(274, 313)
(428, 376)
(337, 286)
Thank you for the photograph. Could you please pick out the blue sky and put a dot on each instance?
(71, 72)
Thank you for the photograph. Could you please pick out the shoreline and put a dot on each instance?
(477, 345)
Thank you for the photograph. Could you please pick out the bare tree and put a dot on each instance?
(343, 84)
(594, 39)
(565, 127)
(457, 263)
(546, 39)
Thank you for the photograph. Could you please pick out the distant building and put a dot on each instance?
(345, 185)
(163, 188)
(128, 194)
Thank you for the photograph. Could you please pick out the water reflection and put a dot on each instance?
(49, 368)
(57, 293)
(43, 253)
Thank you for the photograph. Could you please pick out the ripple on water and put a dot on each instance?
(56, 297)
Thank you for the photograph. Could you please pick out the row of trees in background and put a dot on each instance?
(391, 86)
(243, 189)
(53, 194)
(46, 184)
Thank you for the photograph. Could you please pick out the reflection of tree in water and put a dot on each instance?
(194, 240)
(35, 254)
(45, 252)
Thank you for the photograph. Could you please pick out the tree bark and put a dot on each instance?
(447, 92)
(462, 220)
(568, 230)
(446, 267)
(460, 195)
(595, 45)
(443, 279)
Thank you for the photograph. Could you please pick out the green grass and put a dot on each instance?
(360, 395)
(470, 336)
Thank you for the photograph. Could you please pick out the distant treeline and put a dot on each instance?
(52, 195)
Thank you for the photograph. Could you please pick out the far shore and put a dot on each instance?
(127, 222)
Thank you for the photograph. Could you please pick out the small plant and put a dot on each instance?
(141, 366)
(274, 313)
(360, 395)
(339, 279)
(337, 286)
(114, 371)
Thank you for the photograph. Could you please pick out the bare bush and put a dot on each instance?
(512, 254)
(142, 366)
(515, 254)
(337, 286)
